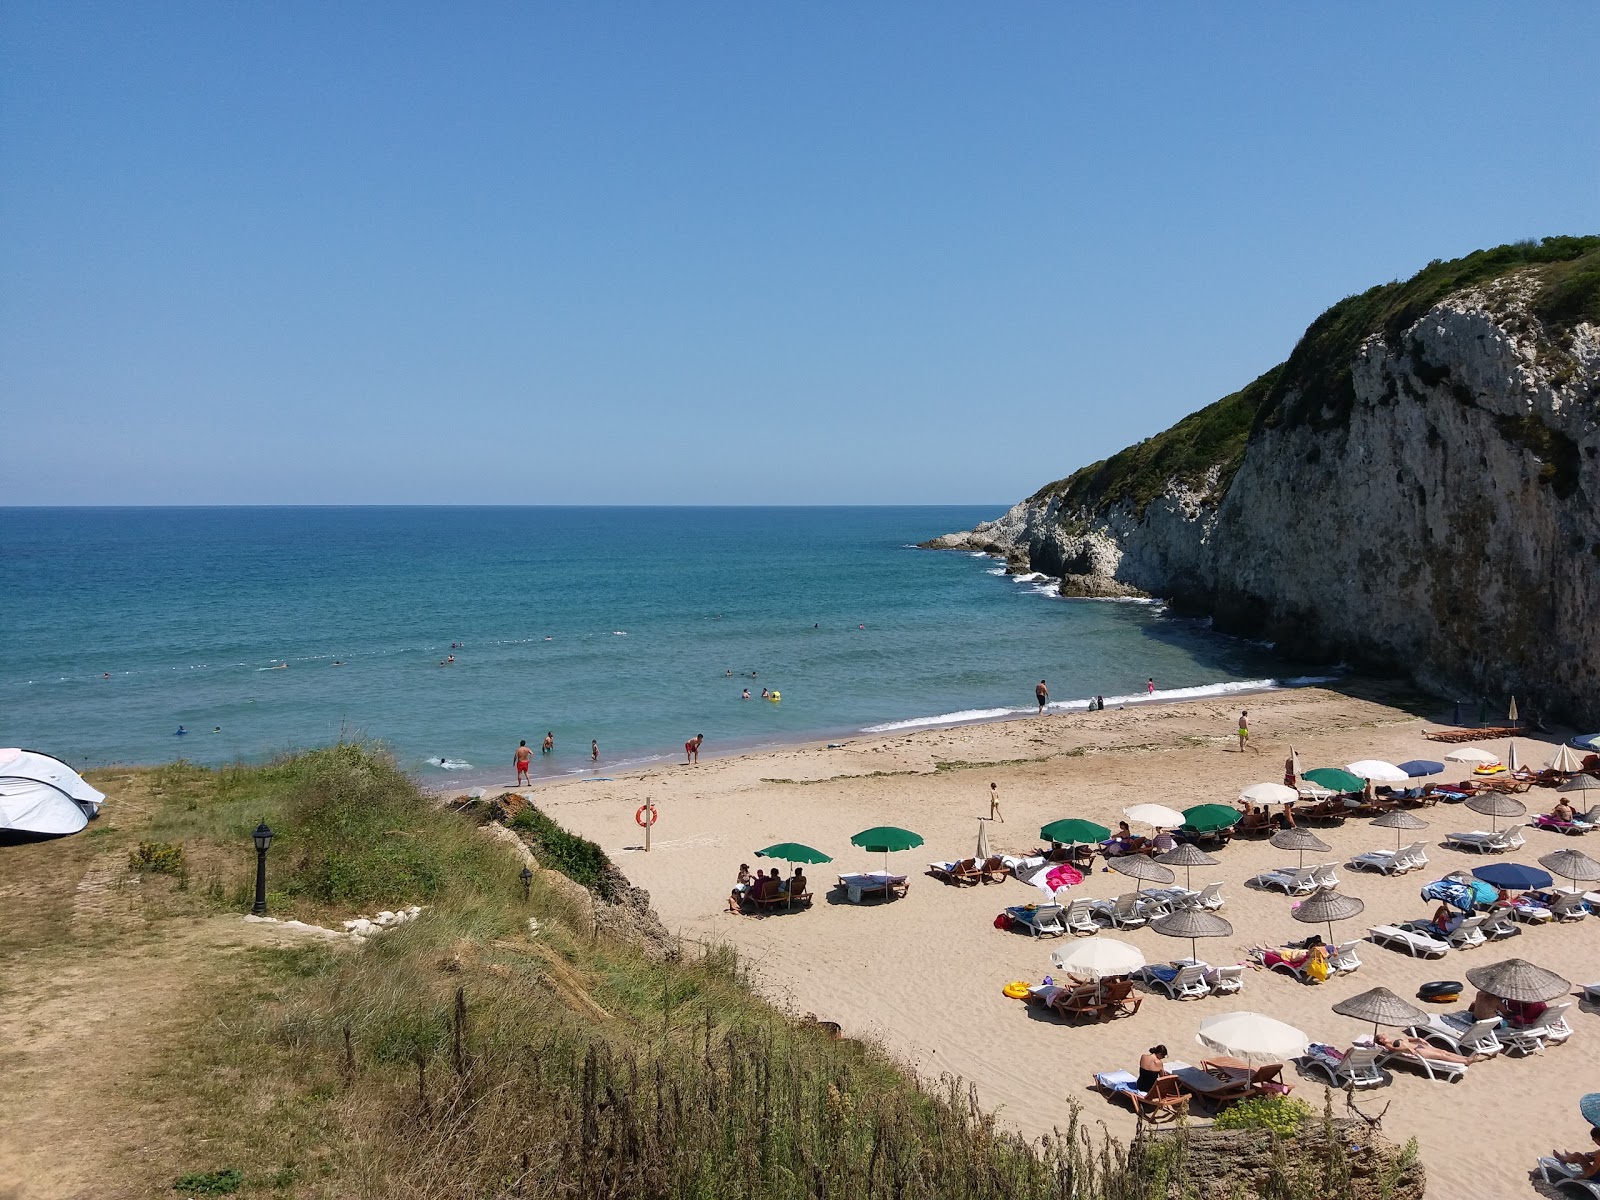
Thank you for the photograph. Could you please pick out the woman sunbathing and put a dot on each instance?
(1417, 1048)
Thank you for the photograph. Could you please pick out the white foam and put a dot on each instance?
(995, 571)
(1030, 576)
(450, 764)
(619, 633)
(955, 718)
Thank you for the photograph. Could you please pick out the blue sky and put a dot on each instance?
(735, 253)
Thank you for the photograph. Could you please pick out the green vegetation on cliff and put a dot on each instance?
(1314, 385)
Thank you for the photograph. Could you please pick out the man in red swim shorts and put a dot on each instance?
(524, 757)
(691, 749)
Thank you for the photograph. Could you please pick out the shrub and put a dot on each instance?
(577, 858)
(1281, 1114)
(158, 858)
(210, 1183)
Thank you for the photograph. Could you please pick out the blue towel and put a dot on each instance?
(1165, 974)
(1448, 891)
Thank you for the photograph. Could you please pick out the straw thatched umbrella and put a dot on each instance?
(1141, 867)
(1572, 864)
(1518, 979)
(1325, 906)
(1580, 783)
(1187, 856)
(1299, 839)
(1397, 820)
(1192, 924)
(1496, 805)
(1381, 1007)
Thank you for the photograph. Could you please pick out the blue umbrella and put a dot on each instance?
(1587, 742)
(1418, 768)
(1514, 877)
(1589, 1106)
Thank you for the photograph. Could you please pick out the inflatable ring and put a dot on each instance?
(645, 816)
(1440, 992)
(1017, 989)
(775, 696)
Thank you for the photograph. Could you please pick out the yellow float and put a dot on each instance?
(1017, 989)
(775, 696)
(1494, 768)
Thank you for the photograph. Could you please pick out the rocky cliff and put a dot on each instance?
(1415, 488)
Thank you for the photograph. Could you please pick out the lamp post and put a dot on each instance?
(263, 839)
(527, 881)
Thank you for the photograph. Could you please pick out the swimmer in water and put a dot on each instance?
(450, 658)
(283, 666)
(594, 750)
(338, 662)
(216, 729)
(105, 675)
(549, 743)
(181, 731)
(746, 695)
(763, 693)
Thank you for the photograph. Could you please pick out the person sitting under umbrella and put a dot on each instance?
(1123, 842)
(1485, 1007)
(1587, 1161)
(1254, 819)
(1417, 1048)
(1563, 811)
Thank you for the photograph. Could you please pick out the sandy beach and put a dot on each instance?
(923, 975)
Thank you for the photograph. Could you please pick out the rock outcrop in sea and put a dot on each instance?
(1415, 489)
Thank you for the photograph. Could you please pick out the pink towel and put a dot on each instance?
(1062, 876)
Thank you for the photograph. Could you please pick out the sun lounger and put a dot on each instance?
(1418, 945)
(1224, 981)
(1165, 1100)
(1570, 828)
(994, 869)
(1294, 881)
(1178, 981)
(959, 873)
(1356, 1067)
(1043, 920)
(1326, 875)
(1528, 912)
(1500, 923)
(1433, 1068)
(1550, 1029)
(1267, 1080)
(1125, 912)
(1217, 1086)
(1079, 917)
(869, 884)
(1468, 935)
(1392, 862)
(1564, 1179)
(1343, 958)
(1022, 865)
(1458, 1032)
(1569, 906)
(1484, 842)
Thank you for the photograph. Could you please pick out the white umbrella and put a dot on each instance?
(1097, 957)
(1511, 713)
(1470, 754)
(1250, 1035)
(983, 841)
(1269, 793)
(1567, 761)
(1376, 771)
(1158, 815)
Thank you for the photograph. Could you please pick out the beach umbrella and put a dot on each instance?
(1192, 923)
(1141, 867)
(1397, 820)
(1158, 815)
(1206, 818)
(1589, 741)
(1098, 957)
(1589, 1108)
(1511, 713)
(1335, 780)
(1186, 856)
(1520, 980)
(1269, 793)
(1299, 839)
(885, 840)
(982, 853)
(1382, 1007)
(794, 852)
(1375, 770)
(1294, 762)
(1496, 805)
(1566, 761)
(1511, 757)
(1513, 877)
(1325, 906)
(1470, 754)
(1252, 1036)
(1580, 783)
(1420, 768)
(1572, 864)
(1073, 830)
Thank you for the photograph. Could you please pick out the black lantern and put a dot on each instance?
(527, 880)
(262, 837)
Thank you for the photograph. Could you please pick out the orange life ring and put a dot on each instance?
(645, 816)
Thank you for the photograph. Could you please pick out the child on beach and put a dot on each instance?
(994, 804)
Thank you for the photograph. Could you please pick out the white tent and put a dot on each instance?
(41, 796)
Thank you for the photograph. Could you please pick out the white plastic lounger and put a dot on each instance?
(1079, 917)
(1460, 1033)
(1415, 944)
(1569, 907)
(1484, 842)
(1042, 921)
(1180, 982)
(1356, 1067)
(1500, 924)
(1326, 875)
(1565, 1179)
(1225, 981)
(1551, 1029)
(1469, 934)
(1392, 862)
(1433, 1068)
(1342, 958)
(1125, 912)
(1290, 880)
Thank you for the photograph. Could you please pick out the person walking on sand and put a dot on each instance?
(691, 749)
(994, 804)
(1244, 732)
(524, 756)
(594, 750)
(549, 743)
(1042, 695)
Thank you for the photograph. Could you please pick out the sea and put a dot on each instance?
(451, 633)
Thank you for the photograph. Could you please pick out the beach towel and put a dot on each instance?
(1063, 875)
(1456, 894)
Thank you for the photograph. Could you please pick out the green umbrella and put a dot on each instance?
(793, 852)
(1073, 830)
(885, 838)
(1336, 780)
(1205, 818)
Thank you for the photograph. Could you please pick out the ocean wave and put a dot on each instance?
(995, 571)
(1030, 577)
(1199, 692)
(450, 764)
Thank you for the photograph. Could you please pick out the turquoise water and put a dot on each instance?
(615, 624)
